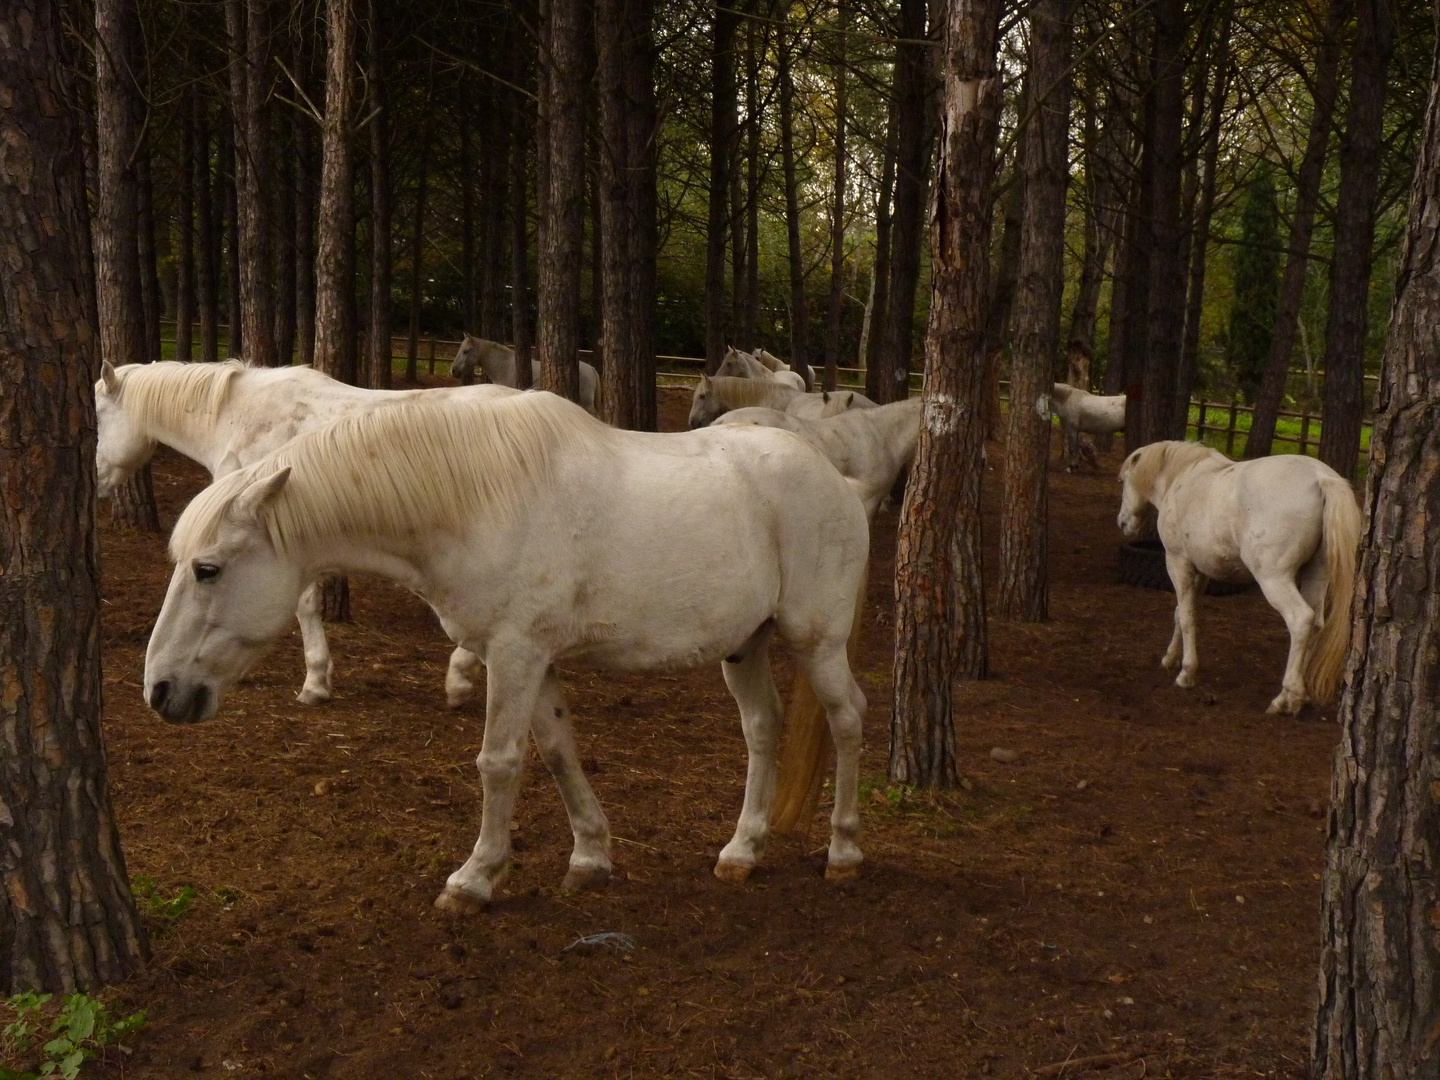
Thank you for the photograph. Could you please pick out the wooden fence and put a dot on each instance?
(1217, 418)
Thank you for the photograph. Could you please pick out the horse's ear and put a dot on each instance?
(110, 377)
(246, 507)
(704, 382)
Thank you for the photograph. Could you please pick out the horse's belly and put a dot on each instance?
(1229, 568)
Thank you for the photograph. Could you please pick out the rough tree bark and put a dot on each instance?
(834, 305)
(755, 42)
(378, 347)
(940, 596)
(880, 270)
(235, 344)
(799, 306)
(335, 260)
(150, 302)
(1351, 260)
(628, 121)
(723, 126)
(207, 255)
(67, 919)
(521, 136)
(1024, 518)
(1380, 961)
(1302, 224)
(1001, 297)
(562, 221)
(417, 280)
(907, 229)
(120, 306)
(185, 232)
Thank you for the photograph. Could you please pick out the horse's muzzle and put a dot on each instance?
(182, 705)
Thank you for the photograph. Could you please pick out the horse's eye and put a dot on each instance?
(206, 571)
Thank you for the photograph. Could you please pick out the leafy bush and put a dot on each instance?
(82, 1027)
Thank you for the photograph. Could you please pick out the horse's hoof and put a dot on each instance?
(735, 873)
(1284, 705)
(313, 697)
(1184, 681)
(457, 701)
(586, 877)
(459, 903)
(835, 873)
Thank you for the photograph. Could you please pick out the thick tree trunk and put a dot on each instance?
(1024, 509)
(185, 234)
(1164, 328)
(562, 219)
(150, 301)
(522, 330)
(285, 246)
(235, 344)
(67, 919)
(940, 596)
(207, 257)
(465, 166)
(496, 187)
(628, 121)
(121, 307)
(1354, 238)
(723, 124)
(335, 259)
(247, 24)
(417, 270)
(835, 301)
(306, 175)
(1001, 297)
(1380, 961)
(750, 308)
(1302, 224)
(377, 340)
(913, 130)
(799, 306)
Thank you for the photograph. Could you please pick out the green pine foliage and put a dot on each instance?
(1256, 269)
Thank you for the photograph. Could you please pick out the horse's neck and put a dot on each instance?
(499, 364)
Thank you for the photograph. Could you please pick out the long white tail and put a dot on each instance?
(1341, 524)
(802, 760)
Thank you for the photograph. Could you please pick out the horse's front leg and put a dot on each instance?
(752, 685)
(550, 724)
(512, 687)
(318, 666)
(1285, 597)
(1188, 583)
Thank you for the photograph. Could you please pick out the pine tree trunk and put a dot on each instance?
(799, 307)
(379, 361)
(150, 301)
(335, 260)
(913, 130)
(836, 299)
(880, 271)
(522, 331)
(750, 308)
(1001, 298)
(723, 125)
(1302, 224)
(496, 195)
(67, 919)
(306, 175)
(940, 596)
(1380, 962)
(628, 120)
(285, 249)
(1353, 254)
(465, 166)
(417, 281)
(207, 257)
(1040, 286)
(120, 303)
(235, 344)
(185, 233)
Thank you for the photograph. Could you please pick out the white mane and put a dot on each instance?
(416, 466)
(168, 394)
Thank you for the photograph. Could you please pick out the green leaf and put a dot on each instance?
(81, 1012)
(70, 1067)
(58, 1048)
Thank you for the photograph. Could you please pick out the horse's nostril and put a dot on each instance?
(202, 699)
(158, 693)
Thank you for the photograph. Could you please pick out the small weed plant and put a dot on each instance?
(152, 902)
(80, 1029)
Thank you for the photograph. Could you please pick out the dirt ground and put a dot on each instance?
(1135, 895)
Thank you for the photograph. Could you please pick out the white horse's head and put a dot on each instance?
(231, 595)
(706, 405)
(121, 447)
(466, 357)
(738, 364)
(1133, 502)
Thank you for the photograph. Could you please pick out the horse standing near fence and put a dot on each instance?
(226, 416)
(774, 363)
(539, 534)
(498, 363)
(715, 395)
(1289, 522)
(742, 365)
(1083, 413)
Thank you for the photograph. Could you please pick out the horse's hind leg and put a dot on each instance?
(752, 685)
(1188, 584)
(829, 674)
(1300, 620)
(318, 666)
(512, 688)
(550, 724)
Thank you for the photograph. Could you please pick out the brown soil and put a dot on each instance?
(1138, 889)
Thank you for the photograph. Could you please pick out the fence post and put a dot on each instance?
(432, 355)
(1230, 431)
(1200, 422)
(1304, 432)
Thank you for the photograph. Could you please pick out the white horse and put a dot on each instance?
(539, 534)
(498, 362)
(716, 395)
(742, 365)
(1288, 521)
(869, 447)
(227, 415)
(774, 363)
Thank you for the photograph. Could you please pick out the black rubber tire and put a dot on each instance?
(1142, 563)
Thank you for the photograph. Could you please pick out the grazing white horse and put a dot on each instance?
(1288, 521)
(742, 365)
(716, 395)
(869, 447)
(539, 534)
(228, 415)
(1093, 414)
(498, 362)
(774, 363)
